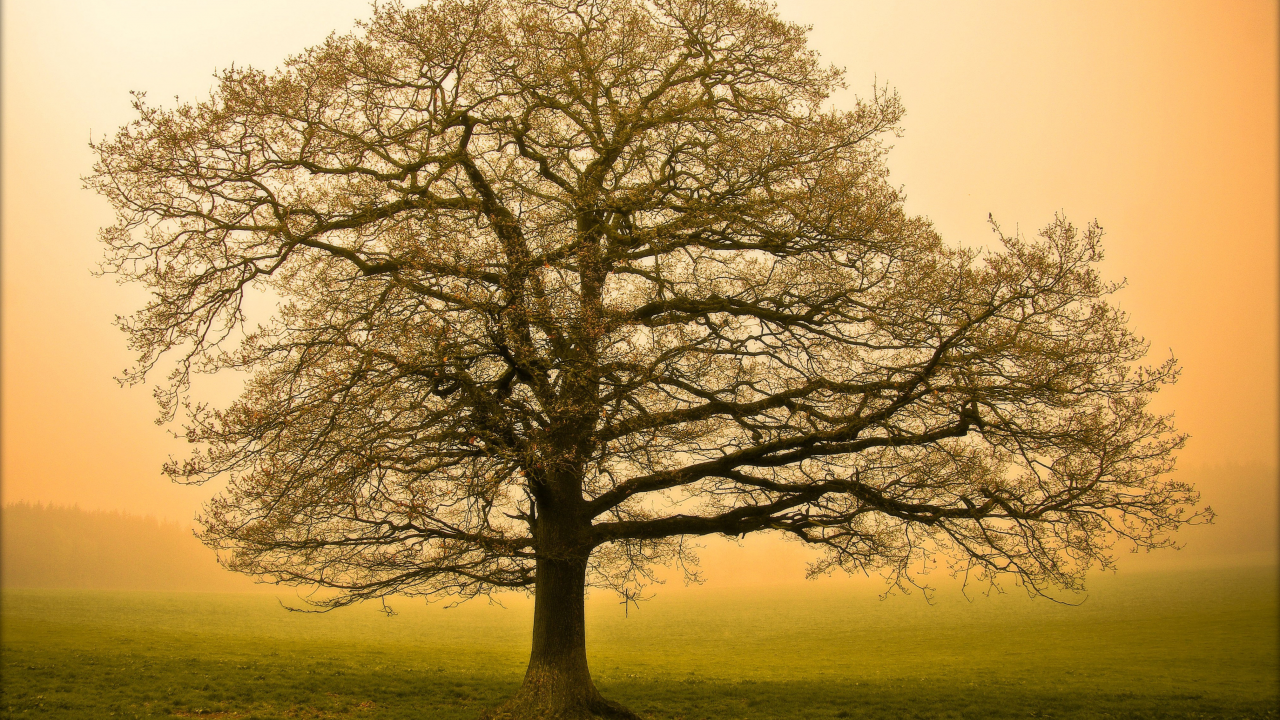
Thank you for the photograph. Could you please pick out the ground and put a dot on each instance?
(1188, 645)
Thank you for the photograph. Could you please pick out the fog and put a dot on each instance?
(66, 547)
(1158, 119)
(49, 547)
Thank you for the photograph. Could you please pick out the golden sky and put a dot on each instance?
(1159, 119)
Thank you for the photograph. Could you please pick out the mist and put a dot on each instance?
(47, 546)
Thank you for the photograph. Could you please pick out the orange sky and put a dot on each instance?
(1157, 118)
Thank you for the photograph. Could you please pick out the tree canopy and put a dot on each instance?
(568, 282)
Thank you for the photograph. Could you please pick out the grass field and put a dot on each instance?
(1190, 645)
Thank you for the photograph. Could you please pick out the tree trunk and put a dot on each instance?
(558, 683)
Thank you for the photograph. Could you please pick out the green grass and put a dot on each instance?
(1192, 645)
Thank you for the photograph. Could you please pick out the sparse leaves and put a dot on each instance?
(563, 277)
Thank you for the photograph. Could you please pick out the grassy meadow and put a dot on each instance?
(1145, 645)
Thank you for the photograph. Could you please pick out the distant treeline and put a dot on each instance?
(44, 546)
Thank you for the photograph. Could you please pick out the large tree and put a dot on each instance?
(560, 284)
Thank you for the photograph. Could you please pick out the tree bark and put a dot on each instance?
(558, 683)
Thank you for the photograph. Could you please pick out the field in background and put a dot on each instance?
(1187, 645)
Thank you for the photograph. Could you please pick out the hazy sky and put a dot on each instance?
(1156, 118)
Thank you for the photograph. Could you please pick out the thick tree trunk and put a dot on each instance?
(558, 683)
(558, 675)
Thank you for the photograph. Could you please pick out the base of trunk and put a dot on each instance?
(549, 695)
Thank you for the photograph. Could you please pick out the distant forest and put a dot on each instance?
(44, 546)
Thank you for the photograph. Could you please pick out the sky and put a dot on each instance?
(1157, 119)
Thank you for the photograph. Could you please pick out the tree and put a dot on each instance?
(561, 283)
